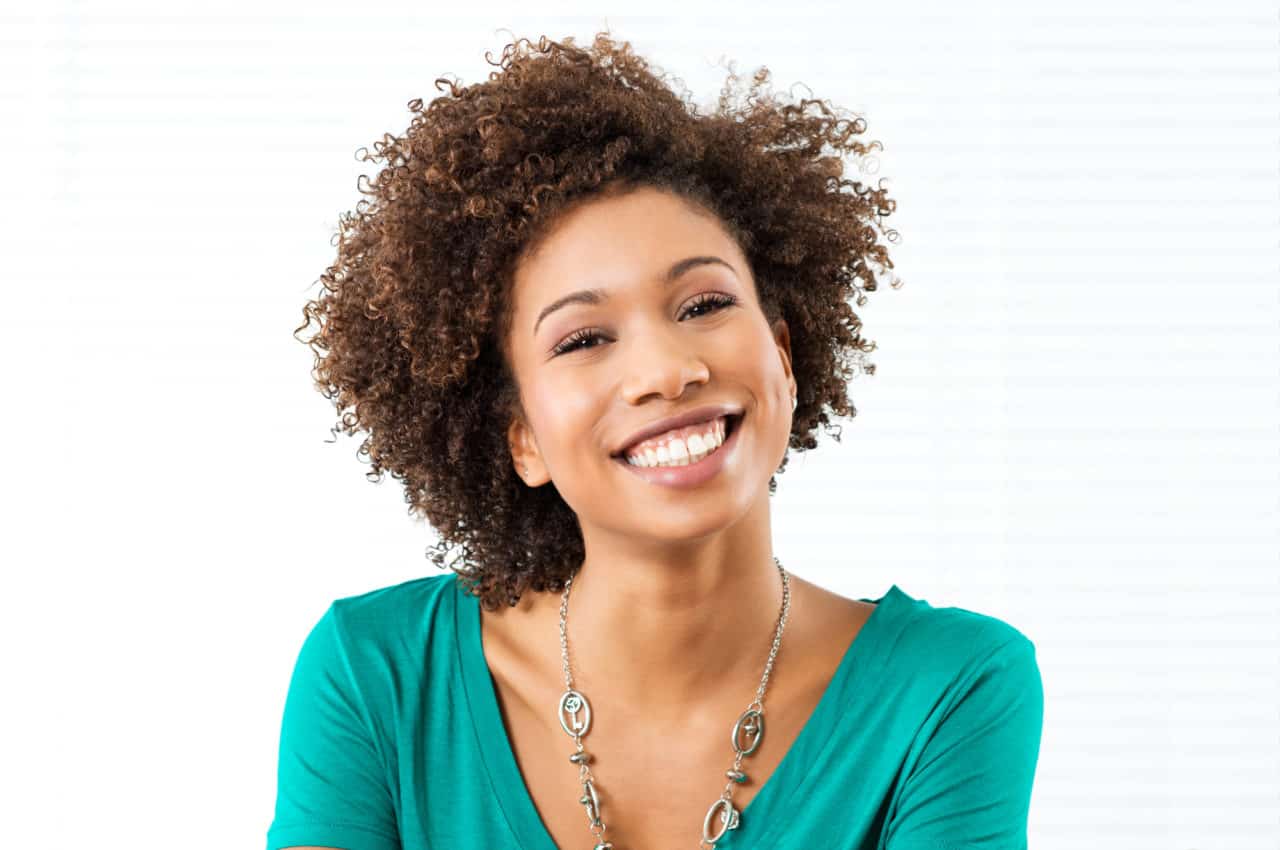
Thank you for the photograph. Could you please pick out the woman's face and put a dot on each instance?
(593, 372)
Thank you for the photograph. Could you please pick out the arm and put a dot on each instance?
(971, 787)
(332, 787)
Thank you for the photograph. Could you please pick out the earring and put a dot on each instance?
(795, 402)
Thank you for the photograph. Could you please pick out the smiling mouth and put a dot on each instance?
(730, 425)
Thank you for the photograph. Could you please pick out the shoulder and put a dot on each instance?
(390, 609)
(377, 641)
(952, 646)
(393, 603)
(952, 628)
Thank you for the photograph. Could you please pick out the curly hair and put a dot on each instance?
(416, 309)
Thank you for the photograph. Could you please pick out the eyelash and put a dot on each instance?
(570, 343)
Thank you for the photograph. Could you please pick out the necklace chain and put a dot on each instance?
(573, 703)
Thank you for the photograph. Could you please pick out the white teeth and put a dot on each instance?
(676, 452)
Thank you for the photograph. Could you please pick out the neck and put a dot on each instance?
(664, 630)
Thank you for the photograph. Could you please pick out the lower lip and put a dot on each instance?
(690, 475)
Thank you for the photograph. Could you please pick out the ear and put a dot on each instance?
(782, 338)
(525, 453)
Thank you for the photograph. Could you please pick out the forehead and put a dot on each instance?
(619, 241)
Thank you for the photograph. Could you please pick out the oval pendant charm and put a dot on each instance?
(751, 722)
(571, 702)
(728, 820)
(591, 801)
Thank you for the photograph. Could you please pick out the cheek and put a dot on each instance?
(561, 413)
(758, 353)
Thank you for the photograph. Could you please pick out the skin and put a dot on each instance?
(674, 608)
(662, 565)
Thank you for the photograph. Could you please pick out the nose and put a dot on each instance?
(663, 365)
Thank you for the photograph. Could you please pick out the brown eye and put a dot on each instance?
(570, 343)
(713, 300)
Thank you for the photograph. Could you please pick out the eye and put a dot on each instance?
(714, 301)
(570, 342)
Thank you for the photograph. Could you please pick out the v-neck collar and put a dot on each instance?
(760, 822)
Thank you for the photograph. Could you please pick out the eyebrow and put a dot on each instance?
(596, 295)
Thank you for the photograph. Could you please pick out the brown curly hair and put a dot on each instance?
(416, 308)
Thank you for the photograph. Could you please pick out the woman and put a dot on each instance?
(584, 324)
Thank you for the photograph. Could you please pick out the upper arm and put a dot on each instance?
(971, 786)
(332, 788)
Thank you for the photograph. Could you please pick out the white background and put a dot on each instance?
(1073, 426)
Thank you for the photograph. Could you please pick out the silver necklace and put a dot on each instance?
(722, 811)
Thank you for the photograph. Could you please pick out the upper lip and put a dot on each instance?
(690, 417)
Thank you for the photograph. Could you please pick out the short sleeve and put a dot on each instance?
(331, 782)
(971, 787)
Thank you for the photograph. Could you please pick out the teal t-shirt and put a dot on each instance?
(926, 738)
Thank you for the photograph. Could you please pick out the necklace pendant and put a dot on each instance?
(751, 722)
(728, 819)
(572, 702)
(592, 802)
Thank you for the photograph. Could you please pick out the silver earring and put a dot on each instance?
(795, 402)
